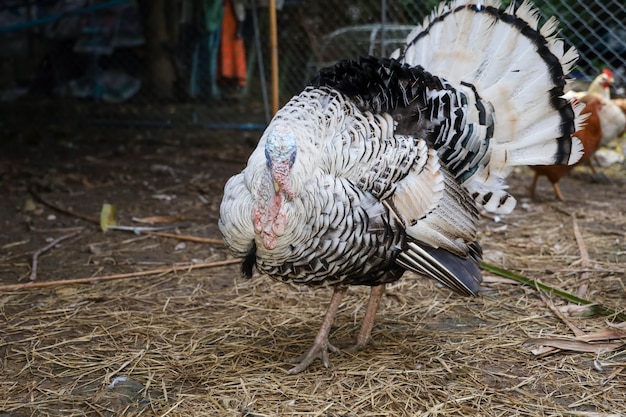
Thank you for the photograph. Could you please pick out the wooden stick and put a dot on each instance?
(97, 221)
(584, 258)
(274, 54)
(616, 372)
(33, 269)
(62, 210)
(584, 255)
(29, 285)
(548, 302)
(185, 237)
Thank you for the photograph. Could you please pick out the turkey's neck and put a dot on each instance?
(270, 220)
(280, 174)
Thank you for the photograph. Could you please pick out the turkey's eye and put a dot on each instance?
(268, 160)
(292, 158)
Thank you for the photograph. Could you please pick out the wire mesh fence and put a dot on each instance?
(206, 63)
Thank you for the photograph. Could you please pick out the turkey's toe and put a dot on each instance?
(359, 346)
(317, 351)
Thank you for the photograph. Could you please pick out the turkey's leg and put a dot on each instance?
(365, 334)
(321, 345)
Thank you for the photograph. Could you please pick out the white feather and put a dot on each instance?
(505, 67)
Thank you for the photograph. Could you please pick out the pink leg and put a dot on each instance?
(365, 334)
(321, 345)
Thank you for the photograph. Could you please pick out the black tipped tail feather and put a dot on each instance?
(459, 274)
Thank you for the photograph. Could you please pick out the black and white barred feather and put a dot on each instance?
(515, 65)
(381, 165)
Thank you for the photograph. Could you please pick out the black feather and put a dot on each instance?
(378, 84)
(461, 274)
(249, 261)
(542, 47)
(382, 85)
(465, 270)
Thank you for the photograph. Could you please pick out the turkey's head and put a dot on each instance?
(280, 153)
(269, 217)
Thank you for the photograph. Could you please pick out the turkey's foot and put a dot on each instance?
(321, 345)
(359, 346)
(317, 351)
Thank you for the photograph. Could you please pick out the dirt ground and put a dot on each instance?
(191, 338)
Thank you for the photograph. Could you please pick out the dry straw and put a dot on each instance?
(199, 342)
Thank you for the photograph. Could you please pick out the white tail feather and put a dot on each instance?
(513, 70)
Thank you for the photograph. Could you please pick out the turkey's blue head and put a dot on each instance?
(280, 154)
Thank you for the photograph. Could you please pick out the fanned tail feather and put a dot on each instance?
(516, 66)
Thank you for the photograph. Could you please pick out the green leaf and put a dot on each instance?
(107, 216)
(598, 309)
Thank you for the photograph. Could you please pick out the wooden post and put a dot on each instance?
(274, 54)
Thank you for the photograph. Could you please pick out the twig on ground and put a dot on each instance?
(63, 210)
(615, 373)
(159, 271)
(143, 230)
(186, 237)
(584, 259)
(33, 269)
(124, 228)
(583, 341)
(560, 210)
(548, 302)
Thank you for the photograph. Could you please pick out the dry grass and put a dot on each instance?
(191, 347)
(200, 343)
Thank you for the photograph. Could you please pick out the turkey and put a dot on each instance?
(382, 165)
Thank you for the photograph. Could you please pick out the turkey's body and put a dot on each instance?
(381, 165)
(336, 232)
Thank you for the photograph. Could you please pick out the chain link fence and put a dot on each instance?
(206, 63)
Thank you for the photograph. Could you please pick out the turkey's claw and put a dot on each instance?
(321, 345)
(317, 351)
(357, 347)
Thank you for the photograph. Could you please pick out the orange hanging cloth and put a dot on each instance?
(232, 49)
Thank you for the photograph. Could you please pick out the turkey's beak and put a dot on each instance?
(276, 187)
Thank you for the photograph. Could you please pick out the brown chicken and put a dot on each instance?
(590, 136)
(612, 115)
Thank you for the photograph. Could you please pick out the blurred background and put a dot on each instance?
(207, 63)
